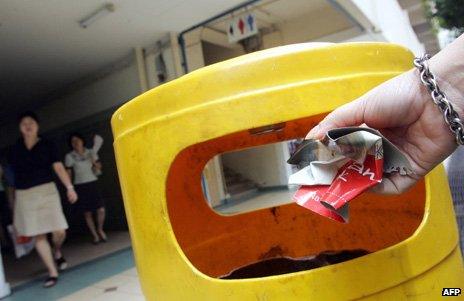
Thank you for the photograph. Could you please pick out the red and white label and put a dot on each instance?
(352, 179)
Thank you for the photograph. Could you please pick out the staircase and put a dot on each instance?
(237, 186)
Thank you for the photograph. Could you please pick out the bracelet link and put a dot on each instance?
(450, 115)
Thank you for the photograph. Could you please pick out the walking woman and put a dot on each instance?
(83, 165)
(37, 206)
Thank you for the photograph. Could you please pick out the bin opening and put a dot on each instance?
(218, 245)
(250, 179)
(286, 265)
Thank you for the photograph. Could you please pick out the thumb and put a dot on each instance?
(350, 114)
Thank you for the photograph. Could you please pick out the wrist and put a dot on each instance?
(70, 187)
(439, 86)
(449, 74)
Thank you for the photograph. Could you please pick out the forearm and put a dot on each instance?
(62, 174)
(66, 180)
(69, 174)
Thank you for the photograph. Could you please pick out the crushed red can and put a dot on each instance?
(353, 161)
(310, 198)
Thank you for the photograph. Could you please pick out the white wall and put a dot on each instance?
(265, 165)
(195, 58)
(214, 181)
(382, 20)
(98, 96)
(309, 27)
(313, 25)
(106, 93)
(389, 20)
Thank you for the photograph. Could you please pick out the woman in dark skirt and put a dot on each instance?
(83, 165)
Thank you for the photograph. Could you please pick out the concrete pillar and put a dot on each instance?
(176, 54)
(142, 72)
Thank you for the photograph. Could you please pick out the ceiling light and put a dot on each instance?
(99, 13)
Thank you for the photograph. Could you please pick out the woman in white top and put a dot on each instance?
(83, 165)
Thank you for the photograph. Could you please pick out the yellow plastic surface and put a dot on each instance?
(178, 240)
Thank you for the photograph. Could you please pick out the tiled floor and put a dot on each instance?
(77, 250)
(123, 286)
(107, 278)
(266, 199)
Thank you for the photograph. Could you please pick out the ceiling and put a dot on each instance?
(43, 48)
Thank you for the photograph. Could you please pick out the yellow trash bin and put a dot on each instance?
(164, 138)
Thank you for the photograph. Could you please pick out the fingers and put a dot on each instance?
(350, 114)
(393, 103)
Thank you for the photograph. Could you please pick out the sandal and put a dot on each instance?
(50, 281)
(96, 240)
(61, 263)
(103, 236)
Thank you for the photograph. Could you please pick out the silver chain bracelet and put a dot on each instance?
(439, 98)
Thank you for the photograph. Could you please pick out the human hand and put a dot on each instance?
(97, 166)
(403, 111)
(72, 195)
